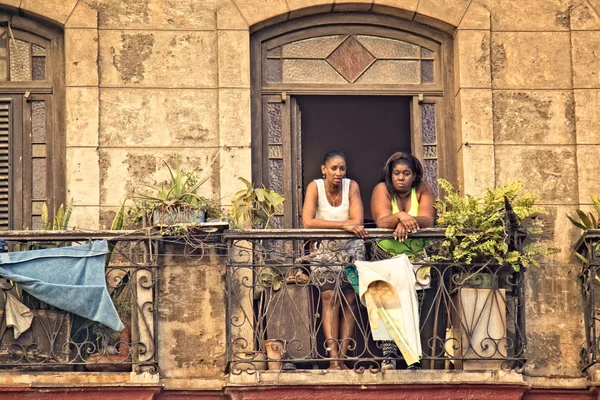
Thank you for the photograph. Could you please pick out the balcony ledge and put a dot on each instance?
(395, 377)
(76, 379)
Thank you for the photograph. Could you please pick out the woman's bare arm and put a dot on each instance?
(426, 216)
(381, 209)
(352, 224)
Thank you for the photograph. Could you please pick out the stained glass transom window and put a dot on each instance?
(350, 59)
(21, 60)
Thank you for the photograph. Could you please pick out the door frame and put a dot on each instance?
(440, 93)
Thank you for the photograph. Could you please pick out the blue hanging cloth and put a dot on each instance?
(70, 278)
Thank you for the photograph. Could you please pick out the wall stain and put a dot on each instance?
(118, 12)
(135, 49)
(139, 168)
(563, 18)
(104, 165)
(513, 111)
(546, 344)
(581, 14)
(498, 58)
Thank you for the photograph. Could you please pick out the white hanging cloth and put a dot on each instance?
(17, 315)
(387, 289)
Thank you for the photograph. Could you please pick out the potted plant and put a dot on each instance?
(177, 201)
(586, 221)
(478, 229)
(258, 207)
(587, 250)
(483, 236)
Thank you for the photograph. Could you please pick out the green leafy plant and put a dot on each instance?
(477, 228)
(269, 279)
(60, 222)
(256, 205)
(177, 200)
(180, 190)
(586, 221)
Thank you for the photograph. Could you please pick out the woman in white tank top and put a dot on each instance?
(334, 202)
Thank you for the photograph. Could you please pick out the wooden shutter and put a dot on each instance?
(5, 128)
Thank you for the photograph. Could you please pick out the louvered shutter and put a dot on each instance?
(5, 128)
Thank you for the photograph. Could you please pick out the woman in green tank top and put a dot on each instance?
(403, 202)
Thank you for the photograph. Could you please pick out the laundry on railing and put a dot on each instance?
(17, 315)
(388, 289)
(71, 278)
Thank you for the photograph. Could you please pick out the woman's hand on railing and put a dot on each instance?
(405, 227)
(357, 230)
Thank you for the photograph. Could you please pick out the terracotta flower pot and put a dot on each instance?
(275, 350)
(112, 362)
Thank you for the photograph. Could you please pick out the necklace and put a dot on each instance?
(331, 198)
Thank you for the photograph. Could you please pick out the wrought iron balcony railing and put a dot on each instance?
(589, 248)
(284, 284)
(61, 341)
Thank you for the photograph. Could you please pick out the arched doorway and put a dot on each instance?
(365, 84)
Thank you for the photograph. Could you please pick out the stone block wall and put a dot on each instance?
(149, 81)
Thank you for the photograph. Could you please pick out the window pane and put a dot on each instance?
(430, 175)
(36, 222)
(38, 68)
(276, 52)
(277, 222)
(36, 207)
(39, 178)
(274, 130)
(20, 60)
(276, 175)
(314, 71)
(388, 48)
(427, 71)
(351, 59)
(391, 72)
(275, 151)
(318, 47)
(3, 55)
(37, 50)
(426, 53)
(38, 122)
(38, 150)
(430, 151)
(273, 70)
(428, 124)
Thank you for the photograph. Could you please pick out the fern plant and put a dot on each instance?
(586, 221)
(477, 228)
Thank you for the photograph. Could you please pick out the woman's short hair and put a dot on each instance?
(333, 154)
(401, 158)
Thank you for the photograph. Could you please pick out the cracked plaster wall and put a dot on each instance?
(153, 80)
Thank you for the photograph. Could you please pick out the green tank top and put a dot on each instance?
(409, 246)
(414, 204)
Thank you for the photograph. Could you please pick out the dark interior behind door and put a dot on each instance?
(368, 129)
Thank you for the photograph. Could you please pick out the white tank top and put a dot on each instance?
(326, 211)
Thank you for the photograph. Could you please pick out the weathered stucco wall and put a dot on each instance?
(153, 80)
(147, 83)
(191, 323)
